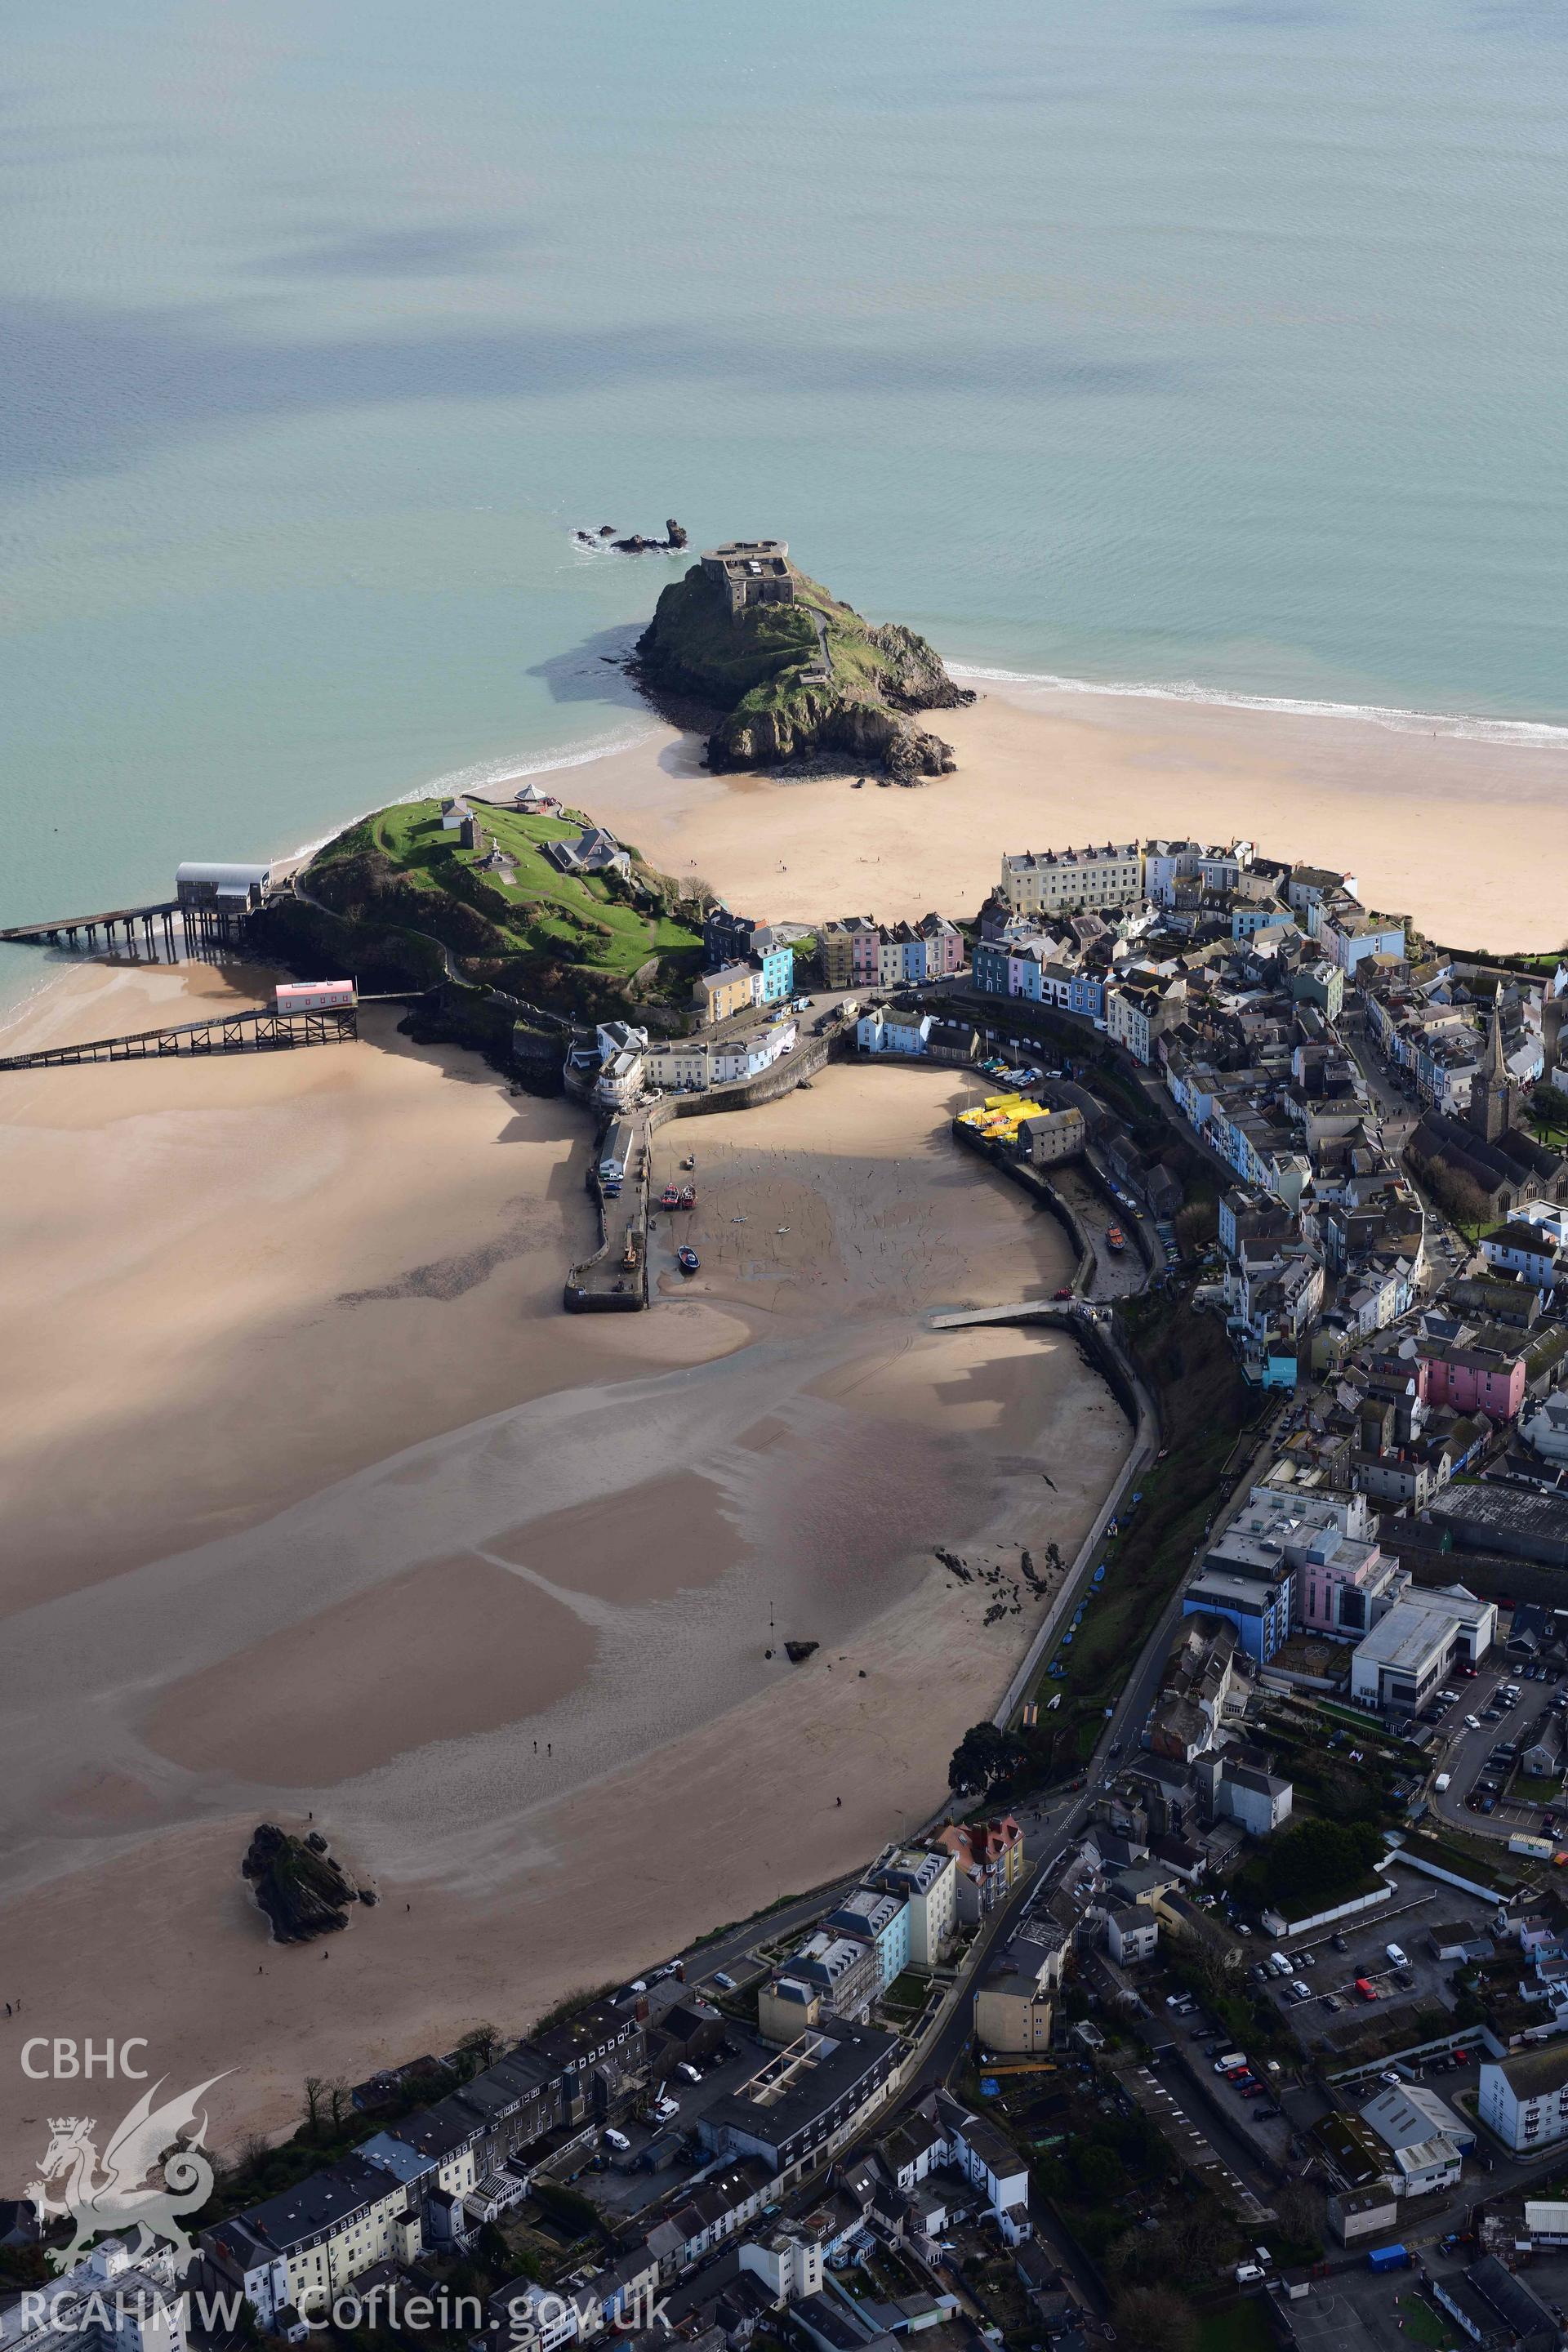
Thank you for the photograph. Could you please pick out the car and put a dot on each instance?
(687, 2071)
(616, 2139)
(1339, 1943)
(725, 1983)
(666, 2108)
(1063, 1293)
(1366, 1989)
(1472, 1723)
(1395, 2081)
(1489, 1805)
(1247, 2273)
(1298, 1991)
(1329, 2000)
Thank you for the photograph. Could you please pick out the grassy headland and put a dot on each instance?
(581, 943)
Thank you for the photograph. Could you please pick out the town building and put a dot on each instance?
(1073, 881)
(1132, 1933)
(292, 2252)
(928, 1880)
(1052, 1136)
(1015, 1999)
(805, 2102)
(731, 989)
(1410, 1652)
(885, 1032)
(1523, 2098)
(990, 1861)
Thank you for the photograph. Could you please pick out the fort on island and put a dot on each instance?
(751, 572)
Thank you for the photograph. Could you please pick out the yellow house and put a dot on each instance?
(1015, 2000)
(731, 989)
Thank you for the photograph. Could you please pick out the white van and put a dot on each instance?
(1279, 1964)
(616, 2139)
(1395, 1957)
(1443, 1781)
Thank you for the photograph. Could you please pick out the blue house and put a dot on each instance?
(873, 1916)
(774, 958)
(1258, 1607)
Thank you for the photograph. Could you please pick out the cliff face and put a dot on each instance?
(797, 679)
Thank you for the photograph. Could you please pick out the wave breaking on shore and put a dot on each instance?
(1526, 734)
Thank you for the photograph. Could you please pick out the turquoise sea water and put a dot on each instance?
(1219, 343)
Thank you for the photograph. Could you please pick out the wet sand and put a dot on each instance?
(320, 1507)
(1465, 833)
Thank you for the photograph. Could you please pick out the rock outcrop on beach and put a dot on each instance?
(297, 1884)
(795, 680)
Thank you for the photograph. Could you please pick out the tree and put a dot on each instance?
(315, 2092)
(1550, 1105)
(479, 2043)
(1312, 1863)
(338, 2103)
(984, 1756)
(1154, 2319)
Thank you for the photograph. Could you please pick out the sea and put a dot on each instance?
(1215, 348)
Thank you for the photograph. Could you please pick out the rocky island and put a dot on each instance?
(793, 672)
(301, 1890)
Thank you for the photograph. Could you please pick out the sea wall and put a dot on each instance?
(1037, 1184)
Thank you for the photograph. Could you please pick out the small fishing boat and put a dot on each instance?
(689, 1196)
(670, 1196)
(688, 1260)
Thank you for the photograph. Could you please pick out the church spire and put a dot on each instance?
(1495, 1064)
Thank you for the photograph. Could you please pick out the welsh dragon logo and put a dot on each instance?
(121, 2194)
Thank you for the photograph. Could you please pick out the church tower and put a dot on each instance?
(1493, 1095)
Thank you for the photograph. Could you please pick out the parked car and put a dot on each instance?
(724, 1983)
(1339, 1943)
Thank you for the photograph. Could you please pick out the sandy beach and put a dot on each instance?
(1463, 831)
(319, 1507)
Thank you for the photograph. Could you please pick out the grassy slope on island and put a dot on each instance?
(402, 866)
(763, 668)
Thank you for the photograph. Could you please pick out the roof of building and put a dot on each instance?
(1534, 2074)
(318, 2204)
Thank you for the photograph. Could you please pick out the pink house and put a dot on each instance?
(1339, 1583)
(1472, 1382)
(944, 947)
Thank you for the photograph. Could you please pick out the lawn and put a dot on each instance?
(1243, 2328)
(1424, 2323)
(534, 908)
